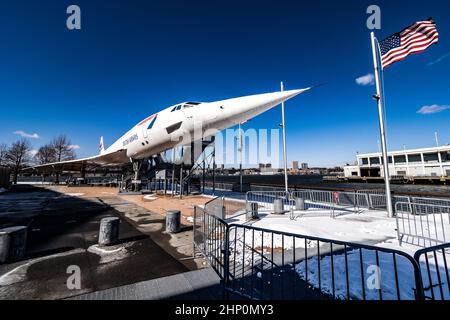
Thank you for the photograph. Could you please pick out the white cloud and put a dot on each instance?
(435, 108)
(27, 135)
(367, 80)
(445, 56)
(74, 147)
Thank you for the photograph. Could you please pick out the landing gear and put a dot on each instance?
(137, 164)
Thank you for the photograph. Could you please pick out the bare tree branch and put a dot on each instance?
(18, 156)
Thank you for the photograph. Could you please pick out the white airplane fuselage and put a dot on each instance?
(163, 130)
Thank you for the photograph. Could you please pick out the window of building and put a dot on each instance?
(431, 157)
(400, 159)
(447, 172)
(401, 173)
(354, 173)
(445, 156)
(414, 158)
(375, 160)
(364, 161)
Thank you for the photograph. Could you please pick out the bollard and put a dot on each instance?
(300, 204)
(278, 207)
(109, 231)
(219, 212)
(173, 221)
(252, 210)
(13, 242)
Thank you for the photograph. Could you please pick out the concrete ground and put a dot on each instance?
(63, 229)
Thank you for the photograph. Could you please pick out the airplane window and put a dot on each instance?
(179, 107)
(174, 108)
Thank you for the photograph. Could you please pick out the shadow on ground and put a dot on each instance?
(63, 232)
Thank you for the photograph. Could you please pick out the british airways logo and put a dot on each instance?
(152, 117)
(130, 139)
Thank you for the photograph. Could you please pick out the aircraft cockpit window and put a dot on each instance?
(186, 105)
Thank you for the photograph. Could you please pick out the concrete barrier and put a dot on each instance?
(278, 207)
(109, 231)
(173, 221)
(252, 211)
(300, 204)
(13, 242)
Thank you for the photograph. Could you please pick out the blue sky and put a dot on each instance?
(133, 58)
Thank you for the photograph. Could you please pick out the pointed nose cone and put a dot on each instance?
(286, 95)
(241, 109)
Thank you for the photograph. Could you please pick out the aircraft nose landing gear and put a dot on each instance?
(137, 164)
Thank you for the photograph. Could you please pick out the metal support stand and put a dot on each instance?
(137, 164)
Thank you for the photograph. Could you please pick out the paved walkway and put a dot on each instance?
(201, 284)
(63, 232)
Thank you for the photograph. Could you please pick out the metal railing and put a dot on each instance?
(223, 186)
(434, 263)
(266, 264)
(209, 233)
(266, 200)
(258, 263)
(422, 224)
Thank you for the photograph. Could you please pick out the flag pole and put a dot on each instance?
(379, 99)
(240, 157)
(286, 186)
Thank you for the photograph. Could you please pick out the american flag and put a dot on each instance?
(414, 39)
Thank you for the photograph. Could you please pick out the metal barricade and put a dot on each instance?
(266, 199)
(266, 264)
(422, 224)
(434, 264)
(209, 233)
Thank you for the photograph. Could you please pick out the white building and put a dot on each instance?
(425, 162)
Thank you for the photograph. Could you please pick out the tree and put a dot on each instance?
(62, 148)
(46, 154)
(3, 151)
(18, 156)
(63, 151)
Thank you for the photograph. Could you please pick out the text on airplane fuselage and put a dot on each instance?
(130, 139)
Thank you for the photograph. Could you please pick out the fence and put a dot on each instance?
(209, 234)
(264, 264)
(422, 224)
(266, 200)
(219, 186)
(336, 202)
(436, 280)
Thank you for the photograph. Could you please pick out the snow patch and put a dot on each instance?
(110, 254)
(74, 194)
(368, 280)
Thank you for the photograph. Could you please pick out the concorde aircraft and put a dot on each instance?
(167, 129)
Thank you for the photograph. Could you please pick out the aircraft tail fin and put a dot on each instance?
(101, 146)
